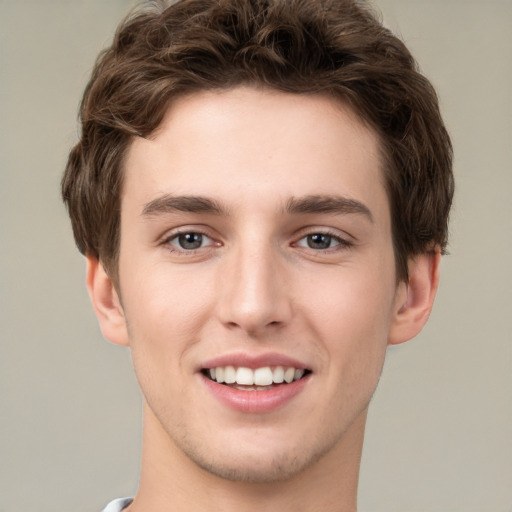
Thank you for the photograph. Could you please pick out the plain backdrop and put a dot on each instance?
(439, 431)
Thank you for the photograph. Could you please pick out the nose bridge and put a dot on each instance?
(255, 295)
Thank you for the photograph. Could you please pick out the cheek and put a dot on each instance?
(163, 325)
(357, 297)
(164, 312)
(163, 297)
(352, 313)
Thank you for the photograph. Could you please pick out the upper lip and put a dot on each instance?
(254, 361)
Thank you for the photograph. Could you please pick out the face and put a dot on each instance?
(256, 250)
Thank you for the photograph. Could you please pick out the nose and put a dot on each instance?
(255, 292)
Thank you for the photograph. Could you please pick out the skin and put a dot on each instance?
(257, 284)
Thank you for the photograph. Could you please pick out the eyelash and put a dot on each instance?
(167, 242)
(341, 243)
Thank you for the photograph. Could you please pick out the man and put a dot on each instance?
(261, 190)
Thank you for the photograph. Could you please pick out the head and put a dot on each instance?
(336, 49)
(265, 184)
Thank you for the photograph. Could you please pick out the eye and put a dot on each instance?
(189, 241)
(321, 241)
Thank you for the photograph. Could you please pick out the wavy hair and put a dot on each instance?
(337, 48)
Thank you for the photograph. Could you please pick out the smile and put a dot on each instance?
(258, 379)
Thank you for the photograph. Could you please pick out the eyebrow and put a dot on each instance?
(188, 204)
(338, 205)
(312, 204)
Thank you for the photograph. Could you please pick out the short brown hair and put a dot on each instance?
(330, 47)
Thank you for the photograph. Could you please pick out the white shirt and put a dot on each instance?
(117, 505)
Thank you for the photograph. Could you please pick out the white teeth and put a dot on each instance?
(278, 375)
(229, 375)
(259, 377)
(289, 374)
(263, 376)
(245, 376)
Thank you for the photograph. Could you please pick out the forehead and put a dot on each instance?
(250, 147)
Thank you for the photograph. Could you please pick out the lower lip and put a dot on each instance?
(255, 402)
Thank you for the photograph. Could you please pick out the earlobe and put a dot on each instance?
(106, 303)
(414, 299)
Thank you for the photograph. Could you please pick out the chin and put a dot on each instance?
(255, 466)
(262, 472)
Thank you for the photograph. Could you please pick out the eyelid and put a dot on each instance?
(344, 240)
(319, 230)
(176, 237)
(171, 235)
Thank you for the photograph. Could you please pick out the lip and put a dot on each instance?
(253, 361)
(255, 402)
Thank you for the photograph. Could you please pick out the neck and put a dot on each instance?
(171, 481)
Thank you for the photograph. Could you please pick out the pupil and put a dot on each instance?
(190, 240)
(319, 241)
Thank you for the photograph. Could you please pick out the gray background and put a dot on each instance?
(439, 432)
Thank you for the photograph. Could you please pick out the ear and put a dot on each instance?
(415, 298)
(106, 303)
